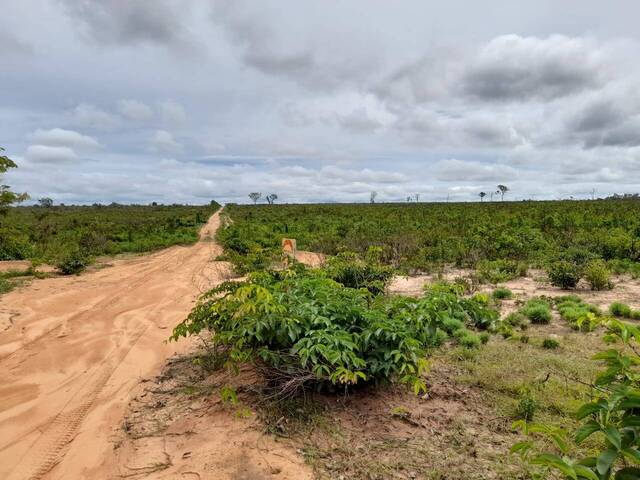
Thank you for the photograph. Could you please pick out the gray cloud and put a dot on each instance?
(318, 101)
(511, 67)
(163, 142)
(126, 22)
(135, 110)
(10, 45)
(461, 170)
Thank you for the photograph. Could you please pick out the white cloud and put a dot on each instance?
(58, 137)
(49, 154)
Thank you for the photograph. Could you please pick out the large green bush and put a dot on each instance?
(303, 329)
(597, 274)
(351, 271)
(564, 274)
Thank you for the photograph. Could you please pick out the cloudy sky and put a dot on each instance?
(316, 100)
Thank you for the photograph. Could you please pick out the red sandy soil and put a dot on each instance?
(73, 351)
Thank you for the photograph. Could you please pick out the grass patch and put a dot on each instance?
(502, 293)
(538, 311)
(621, 310)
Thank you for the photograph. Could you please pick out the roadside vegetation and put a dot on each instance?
(70, 237)
(369, 385)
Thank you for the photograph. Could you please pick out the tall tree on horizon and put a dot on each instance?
(502, 189)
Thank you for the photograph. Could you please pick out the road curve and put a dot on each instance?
(73, 348)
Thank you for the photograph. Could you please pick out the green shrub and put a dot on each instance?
(484, 337)
(527, 406)
(497, 271)
(502, 293)
(469, 339)
(550, 344)
(564, 274)
(524, 339)
(351, 271)
(451, 325)
(635, 314)
(303, 329)
(5, 285)
(72, 263)
(598, 275)
(481, 298)
(538, 311)
(505, 330)
(516, 319)
(619, 309)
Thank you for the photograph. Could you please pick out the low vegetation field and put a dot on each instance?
(513, 355)
(424, 236)
(70, 237)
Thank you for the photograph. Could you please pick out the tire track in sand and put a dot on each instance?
(56, 435)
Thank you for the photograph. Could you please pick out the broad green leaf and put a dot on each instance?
(628, 473)
(554, 461)
(613, 435)
(605, 461)
(585, 472)
(585, 430)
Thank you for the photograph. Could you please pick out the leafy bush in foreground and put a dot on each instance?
(611, 419)
(303, 329)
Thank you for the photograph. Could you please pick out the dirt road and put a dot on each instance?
(73, 348)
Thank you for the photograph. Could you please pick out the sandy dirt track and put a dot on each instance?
(73, 349)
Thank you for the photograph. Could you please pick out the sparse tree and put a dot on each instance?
(255, 196)
(272, 197)
(408, 198)
(482, 195)
(7, 197)
(417, 198)
(502, 189)
(46, 202)
(374, 194)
